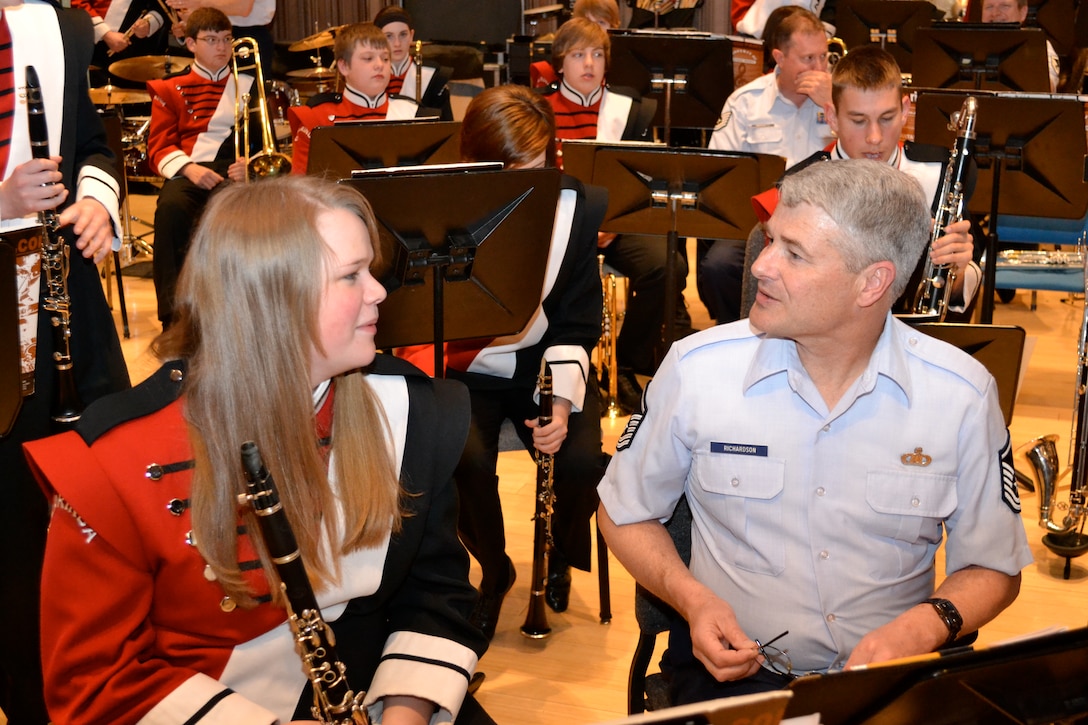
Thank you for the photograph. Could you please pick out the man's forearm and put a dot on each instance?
(649, 554)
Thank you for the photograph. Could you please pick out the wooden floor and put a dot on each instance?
(579, 674)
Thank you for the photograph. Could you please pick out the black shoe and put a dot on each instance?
(628, 391)
(557, 587)
(485, 615)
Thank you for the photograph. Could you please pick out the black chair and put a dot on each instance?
(651, 692)
(756, 241)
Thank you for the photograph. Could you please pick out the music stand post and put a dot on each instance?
(482, 223)
(654, 189)
(1039, 139)
(690, 75)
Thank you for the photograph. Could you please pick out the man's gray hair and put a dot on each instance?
(881, 212)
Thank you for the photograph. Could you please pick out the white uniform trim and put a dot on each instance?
(442, 679)
(38, 20)
(499, 358)
(178, 706)
(409, 87)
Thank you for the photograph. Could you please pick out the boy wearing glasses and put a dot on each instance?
(191, 143)
(826, 449)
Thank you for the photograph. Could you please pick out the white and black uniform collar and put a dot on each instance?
(572, 95)
(209, 74)
(401, 68)
(894, 161)
(361, 99)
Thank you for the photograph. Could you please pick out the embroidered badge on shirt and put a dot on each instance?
(738, 449)
(916, 459)
(723, 120)
(59, 504)
(633, 423)
(1010, 494)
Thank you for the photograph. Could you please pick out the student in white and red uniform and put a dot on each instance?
(80, 182)
(587, 108)
(400, 31)
(191, 143)
(362, 57)
(141, 20)
(605, 13)
(867, 113)
(512, 124)
(157, 607)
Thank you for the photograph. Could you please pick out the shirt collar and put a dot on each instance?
(209, 74)
(838, 153)
(400, 69)
(572, 95)
(889, 359)
(361, 99)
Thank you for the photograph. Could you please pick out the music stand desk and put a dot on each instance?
(1030, 149)
(1000, 348)
(673, 192)
(473, 265)
(336, 151)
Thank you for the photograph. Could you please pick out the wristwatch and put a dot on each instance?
(948, 613)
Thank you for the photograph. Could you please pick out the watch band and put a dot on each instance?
(948, 613)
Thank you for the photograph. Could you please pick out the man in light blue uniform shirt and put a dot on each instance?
(826, 449)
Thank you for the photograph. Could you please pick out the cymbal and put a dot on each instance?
(312, 74)
(318, 40)
(148, 67)
(109, 95)
(543, 12)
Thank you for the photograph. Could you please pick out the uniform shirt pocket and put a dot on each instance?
(909, 507)
(744, 494)
(764, 134)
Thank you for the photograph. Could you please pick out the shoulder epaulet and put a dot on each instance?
(320, 98)
(925, 153)
(155, 393)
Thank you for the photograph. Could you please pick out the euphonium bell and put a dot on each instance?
(268, 161)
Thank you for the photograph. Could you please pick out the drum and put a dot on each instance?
(280, 97)
(134, 142)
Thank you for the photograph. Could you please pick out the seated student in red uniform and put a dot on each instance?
(605, 13)
(867, 112)
(400, 31)
(362, 57)
(191, 144)
(158, 604)
(512, 124)
(587, 108)
(125, 28)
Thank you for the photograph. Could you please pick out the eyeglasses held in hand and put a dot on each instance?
(775, 659)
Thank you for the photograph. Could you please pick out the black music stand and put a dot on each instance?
(1038, 680)
(654, 189)
(891, 25)
(336, 151)
(484, 239)
(1056, 17)
(689, 74)
(999, 347)
(1039, 139)
(983, 56)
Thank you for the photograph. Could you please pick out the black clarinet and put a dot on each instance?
(66, 407)
(536, 619)
(334, 702)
